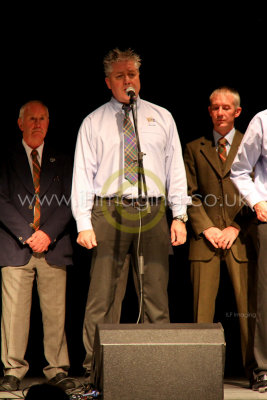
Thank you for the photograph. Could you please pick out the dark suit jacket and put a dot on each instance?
(17, 206)
(216, 201)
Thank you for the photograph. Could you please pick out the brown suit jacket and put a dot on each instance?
(215, 199)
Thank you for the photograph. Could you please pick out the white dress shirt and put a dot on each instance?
(252, 153)
(98, 164)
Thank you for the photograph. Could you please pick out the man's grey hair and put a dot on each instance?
(227, 89)
(22, 109)
(117, 55)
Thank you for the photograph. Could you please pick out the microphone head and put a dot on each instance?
(130, 91)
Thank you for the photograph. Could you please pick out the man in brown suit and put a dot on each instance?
(219, 222)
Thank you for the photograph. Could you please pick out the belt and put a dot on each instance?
(130, 201)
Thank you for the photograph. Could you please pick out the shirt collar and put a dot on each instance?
(229, 136)
(118, 106)
(28, 149)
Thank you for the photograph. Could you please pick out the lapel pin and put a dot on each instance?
(52, 159)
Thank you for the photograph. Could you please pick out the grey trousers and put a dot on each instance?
(116, 232)
(17, 283)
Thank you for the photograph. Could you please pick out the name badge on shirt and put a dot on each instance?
(151, 121)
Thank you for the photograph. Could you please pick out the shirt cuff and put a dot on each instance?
(253, 199)
(84, 224)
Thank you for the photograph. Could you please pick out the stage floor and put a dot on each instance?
(234, 389)
(238, 389)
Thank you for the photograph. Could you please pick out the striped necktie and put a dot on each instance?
(130, 148)
(36, 182)
(222, 149)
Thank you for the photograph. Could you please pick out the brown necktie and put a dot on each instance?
(36, 181)
(222, 149)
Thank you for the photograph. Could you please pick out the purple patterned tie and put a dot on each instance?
(130, 148)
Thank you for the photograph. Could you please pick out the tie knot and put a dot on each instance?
(126, 109)
(222, 141)
(34, 154)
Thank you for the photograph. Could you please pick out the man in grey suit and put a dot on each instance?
(35, 184)
(220, 224)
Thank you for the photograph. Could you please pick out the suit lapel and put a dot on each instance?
(48, 165)
(232, 153)
(22, 168)
(209, 150)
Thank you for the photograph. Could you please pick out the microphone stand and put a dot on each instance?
(146, 205)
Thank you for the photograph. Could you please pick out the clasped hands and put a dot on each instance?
(39, 241)
(221, 239)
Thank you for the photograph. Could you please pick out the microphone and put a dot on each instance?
(130, 91)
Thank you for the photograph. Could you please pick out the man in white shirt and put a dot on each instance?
(106, 206)
(251, 161)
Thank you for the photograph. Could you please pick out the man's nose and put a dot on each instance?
(37, 122)
(127, 79)
(220, 111)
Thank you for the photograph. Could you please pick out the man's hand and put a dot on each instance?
(87, 239)
(39, 241)
(221, 239)
(178, 233)
(213, 235)
(261, 211)
(228, 237)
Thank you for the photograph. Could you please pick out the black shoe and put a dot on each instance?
(62, 381)
(260, 383)
(9, 383)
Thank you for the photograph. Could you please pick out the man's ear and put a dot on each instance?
(209, 110)
(20, 124)
(107, 82)
(238, 111)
